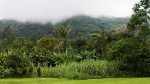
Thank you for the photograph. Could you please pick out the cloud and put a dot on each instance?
(56, 10)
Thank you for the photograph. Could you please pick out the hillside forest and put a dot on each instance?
(80, 47)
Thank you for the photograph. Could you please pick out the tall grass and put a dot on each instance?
(86, 69)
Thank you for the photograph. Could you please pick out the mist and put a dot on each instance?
(58, 10)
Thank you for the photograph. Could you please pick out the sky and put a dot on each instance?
(57, 10)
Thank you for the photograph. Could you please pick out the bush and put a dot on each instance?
(16, 65)
(123, 49)
(86, 69)
(21, 65)
(133, 59)
(4, 72)
(55, 72)
(86, 55)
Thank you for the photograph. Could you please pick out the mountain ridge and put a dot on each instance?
(81, 24)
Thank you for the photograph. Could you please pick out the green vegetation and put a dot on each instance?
(83, 25)
(86, 69)
(100, 55)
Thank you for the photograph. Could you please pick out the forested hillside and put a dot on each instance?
(84, 25)
(117, 47)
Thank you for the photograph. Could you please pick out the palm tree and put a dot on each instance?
(63, 32)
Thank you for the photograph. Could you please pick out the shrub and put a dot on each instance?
(123, 49)
(86, 69)
(20, 65)
(64, 57)
(4, 72)
(133, 58)
(55, 72)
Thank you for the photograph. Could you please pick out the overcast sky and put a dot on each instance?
(56, 10)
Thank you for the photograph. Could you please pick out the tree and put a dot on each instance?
(132, 59)
(138, 25)
(79, 43)
(140, 17)
(134, 52)
(20, 65)
(47, 43)
(20, 44)
(8, 38)
(63, 32)
(8, 35)
(101, 41)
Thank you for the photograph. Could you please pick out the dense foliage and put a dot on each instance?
(86, 69)
(80, 25)
(101, 54)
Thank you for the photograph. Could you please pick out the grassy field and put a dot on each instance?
(67, 81)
